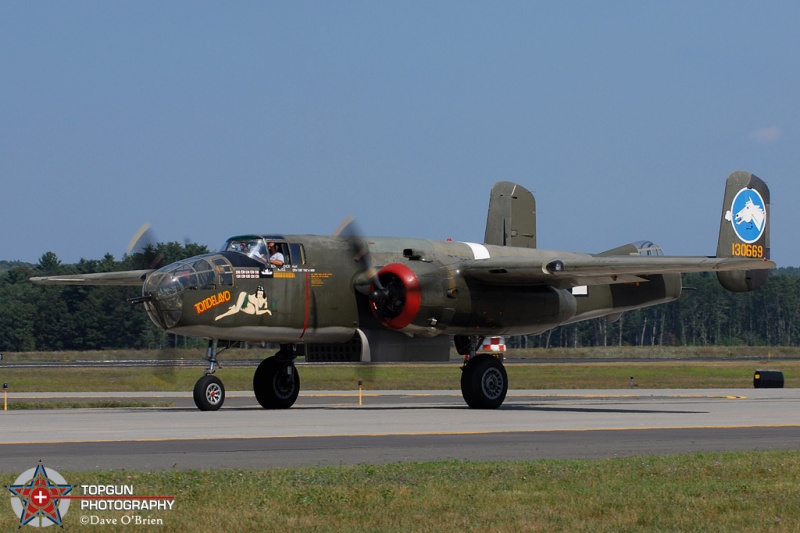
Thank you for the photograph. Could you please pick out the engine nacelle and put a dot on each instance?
(398, 304)
(494, 310)
(426, 299)
(413, 298)
(743, 280)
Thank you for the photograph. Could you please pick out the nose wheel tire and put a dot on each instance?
(484, 382)
(209, 393)
(276, 383)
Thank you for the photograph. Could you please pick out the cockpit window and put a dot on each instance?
(648, 248)
(251, 246)
(256, 247)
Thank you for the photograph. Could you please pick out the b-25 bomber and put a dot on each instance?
(351, 298)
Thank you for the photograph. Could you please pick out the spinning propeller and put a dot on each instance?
(387, 296)
(144, 242)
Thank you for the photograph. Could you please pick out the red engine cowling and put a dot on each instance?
(398, 303)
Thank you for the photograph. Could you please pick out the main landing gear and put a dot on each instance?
(276, 383)
(484, 382)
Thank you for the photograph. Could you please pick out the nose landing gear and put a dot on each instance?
(209, 393)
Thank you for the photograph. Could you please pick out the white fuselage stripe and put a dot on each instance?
(478, 250)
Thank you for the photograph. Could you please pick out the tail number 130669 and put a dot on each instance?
(747, 250)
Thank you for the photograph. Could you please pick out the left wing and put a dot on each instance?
(578, 269)
(126, 277)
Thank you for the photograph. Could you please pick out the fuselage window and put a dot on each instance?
(297, 254)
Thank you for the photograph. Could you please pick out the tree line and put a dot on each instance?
(705, 315)
(34, 318)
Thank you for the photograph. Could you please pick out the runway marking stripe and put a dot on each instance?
(420, 434)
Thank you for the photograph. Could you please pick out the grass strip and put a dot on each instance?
(754, 491)
(595, 352)
(660, 374)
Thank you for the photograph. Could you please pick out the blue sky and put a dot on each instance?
(209, 119)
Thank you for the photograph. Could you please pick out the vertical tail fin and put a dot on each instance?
(512, 216)
(744, 229)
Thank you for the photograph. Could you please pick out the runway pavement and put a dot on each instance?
(390, 426)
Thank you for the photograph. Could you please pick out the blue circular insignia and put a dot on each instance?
(748, 215)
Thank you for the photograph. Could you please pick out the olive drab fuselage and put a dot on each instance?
(320, 293)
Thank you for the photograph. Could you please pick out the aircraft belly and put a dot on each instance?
(276, 334)
(603, 300)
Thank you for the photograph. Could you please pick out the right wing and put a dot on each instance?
(570, 270)
(126, 277)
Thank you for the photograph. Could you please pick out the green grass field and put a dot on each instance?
(704, 492)
(660, 373)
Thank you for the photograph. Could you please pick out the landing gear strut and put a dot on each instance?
(484, 382)
(209, 393)
(276, 383)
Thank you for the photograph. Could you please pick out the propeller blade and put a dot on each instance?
(144, 240)
(139, 241)
(349, 231)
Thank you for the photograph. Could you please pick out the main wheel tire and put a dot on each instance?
(209, 393)
(484, 382)
(276, 383)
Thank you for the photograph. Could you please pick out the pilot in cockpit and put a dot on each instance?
(275, 256)
(239, 246)
(250, 248)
